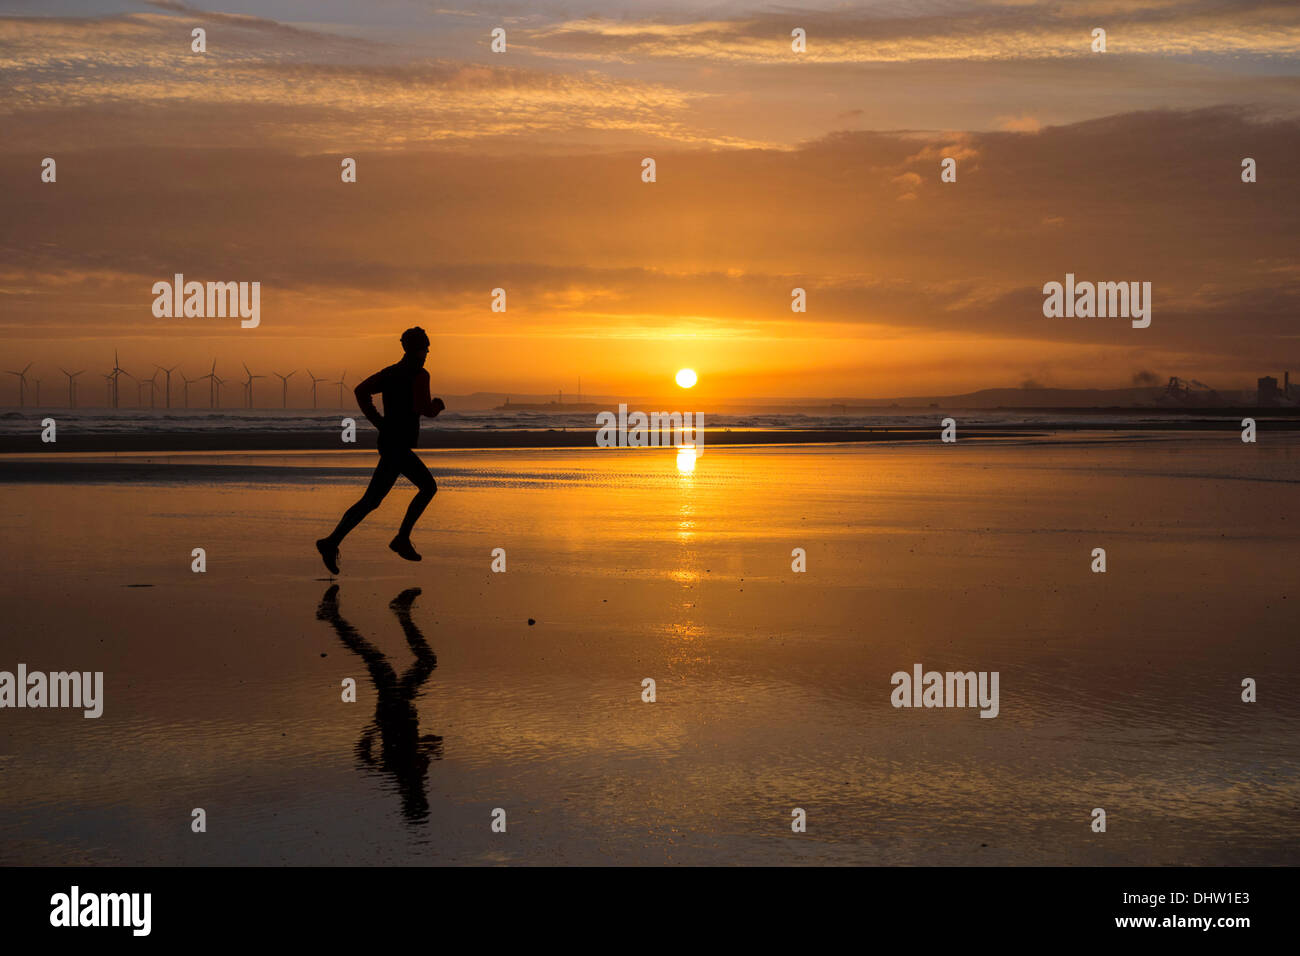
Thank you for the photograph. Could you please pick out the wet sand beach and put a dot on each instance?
(222, 689)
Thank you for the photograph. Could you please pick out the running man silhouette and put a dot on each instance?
(405, 388)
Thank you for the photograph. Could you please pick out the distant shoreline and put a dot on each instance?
(434, 439)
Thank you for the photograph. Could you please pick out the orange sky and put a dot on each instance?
(775, 170)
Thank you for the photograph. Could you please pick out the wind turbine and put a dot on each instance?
(169, 380)
(22, 385)
(188, 382)
(153, 387)
(137, 388)
(284, 389)
(72, 385)
(140, 383)
(217, 382)
(108, 389)
(314, 380)
(212, 384)
(117, 370)
(340, 383)
(248, 385)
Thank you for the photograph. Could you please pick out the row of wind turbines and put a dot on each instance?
(215, 381)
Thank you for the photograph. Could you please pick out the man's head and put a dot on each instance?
(416, 344)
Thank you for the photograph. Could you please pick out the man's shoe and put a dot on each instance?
(329, 553)
(403, 547)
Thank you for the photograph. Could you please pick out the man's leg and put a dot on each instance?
(381, 482)
(426, 488)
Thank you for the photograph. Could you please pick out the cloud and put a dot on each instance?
(1019, 124)
(71, 82)
(975, 32)
(723, 236)
(582, 84)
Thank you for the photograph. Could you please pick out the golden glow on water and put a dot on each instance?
(686, 459)
(686, 512)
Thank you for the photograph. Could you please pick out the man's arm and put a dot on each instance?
(367, 405)
(429, 406)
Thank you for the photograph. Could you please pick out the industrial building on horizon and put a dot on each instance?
(1269, 394)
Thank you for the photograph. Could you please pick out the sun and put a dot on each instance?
(687, 377)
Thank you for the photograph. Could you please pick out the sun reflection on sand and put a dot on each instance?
(687, 574)
(686, 457)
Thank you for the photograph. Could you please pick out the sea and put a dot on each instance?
(130, 420)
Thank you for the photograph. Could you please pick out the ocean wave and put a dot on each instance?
(121, 421)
